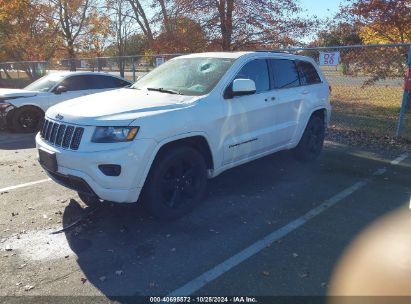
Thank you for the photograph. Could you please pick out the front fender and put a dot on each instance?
(166, 141)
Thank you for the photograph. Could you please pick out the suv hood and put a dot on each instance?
(117, 107)
(16, 93)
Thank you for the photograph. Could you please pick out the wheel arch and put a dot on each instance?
(13, 111)
(322, 112)
(197, 140)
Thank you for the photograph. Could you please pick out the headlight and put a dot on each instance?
(4, 105)
(114, 134)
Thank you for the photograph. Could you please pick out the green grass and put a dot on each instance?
(373, 108)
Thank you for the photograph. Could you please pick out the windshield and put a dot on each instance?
(45, 83)
(186, 76)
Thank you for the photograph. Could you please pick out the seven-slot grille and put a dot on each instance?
(62, 135)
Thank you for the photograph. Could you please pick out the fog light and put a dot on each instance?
(110, 170)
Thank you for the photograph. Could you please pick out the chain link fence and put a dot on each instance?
(366, 81)
(19, 74)
(129, 67)
(367, 87)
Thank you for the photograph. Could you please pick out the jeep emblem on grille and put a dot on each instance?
(59, 117)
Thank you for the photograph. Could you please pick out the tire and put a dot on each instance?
(312, 141)
(176, 183)
(89, 200)
(26, 119)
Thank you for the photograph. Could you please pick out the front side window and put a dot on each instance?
(256, 70)
(186, 76)
(76, 83)
(285, 73)
(308, 73)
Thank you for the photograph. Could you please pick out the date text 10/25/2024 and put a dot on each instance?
(204, 299)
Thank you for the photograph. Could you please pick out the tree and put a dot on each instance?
(382, 21)
(184, 35)
(94, 40)
(26, 35)
(120, 13)
(72, 18)
(337, 34)
(247, 24)
(142, 20)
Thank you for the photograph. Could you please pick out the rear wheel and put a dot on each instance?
(311, 143)
(89, 200)
(27, 119)
(176, 183)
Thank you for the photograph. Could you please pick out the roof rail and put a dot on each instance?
(272, 51)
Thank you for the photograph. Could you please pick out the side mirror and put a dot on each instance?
(243, 87)
(60, 89)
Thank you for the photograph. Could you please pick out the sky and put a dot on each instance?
(321, 8)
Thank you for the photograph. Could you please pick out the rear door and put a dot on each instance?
(290, 96)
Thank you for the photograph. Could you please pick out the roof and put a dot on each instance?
(66, 73)
(231, 55)
(54, 74)
(236, 55)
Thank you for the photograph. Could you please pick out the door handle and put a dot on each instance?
(305, 92)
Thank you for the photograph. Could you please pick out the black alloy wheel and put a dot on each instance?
(27, 119)
(312, 141)
(176, 183)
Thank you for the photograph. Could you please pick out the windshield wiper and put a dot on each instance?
(162, 90)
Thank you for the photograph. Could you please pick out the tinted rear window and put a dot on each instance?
(285, 73)
(308, 73)
(110, 82)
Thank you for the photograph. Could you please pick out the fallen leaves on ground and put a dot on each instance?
(28, 287)
(368, 140)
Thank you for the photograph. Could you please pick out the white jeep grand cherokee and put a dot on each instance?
(188, 120)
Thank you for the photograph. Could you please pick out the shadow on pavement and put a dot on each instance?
(122, 251)
(16, 141)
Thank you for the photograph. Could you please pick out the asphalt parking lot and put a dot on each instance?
(271, 227)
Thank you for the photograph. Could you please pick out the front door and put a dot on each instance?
(249, 122)
(76, 86)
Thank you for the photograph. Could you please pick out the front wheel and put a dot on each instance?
(27, 119)
(176, 183)
(312, 141)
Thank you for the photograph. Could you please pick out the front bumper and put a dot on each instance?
(3, 121)
(79, 170)
(3, 116)
(72, 182)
